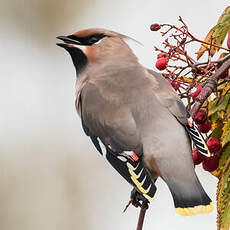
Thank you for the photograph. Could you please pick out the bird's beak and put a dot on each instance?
(70, 43)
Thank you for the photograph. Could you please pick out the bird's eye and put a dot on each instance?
(93, 40)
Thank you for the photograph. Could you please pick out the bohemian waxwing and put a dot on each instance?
(135, 115)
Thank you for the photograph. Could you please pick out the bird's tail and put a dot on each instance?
(189, 198)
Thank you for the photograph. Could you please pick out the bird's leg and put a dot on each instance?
(137, 197)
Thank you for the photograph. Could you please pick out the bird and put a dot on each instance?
(135, 119)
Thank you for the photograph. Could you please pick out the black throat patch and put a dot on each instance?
(79, 59)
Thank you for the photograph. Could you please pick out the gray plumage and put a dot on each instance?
(131, 108)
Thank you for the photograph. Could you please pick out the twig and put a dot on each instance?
(126, 207)
(220, 61)
(141, 218)
(198, 40)
(209, 87)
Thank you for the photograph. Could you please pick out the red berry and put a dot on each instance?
(205, 127)
(197, 92)
(174, 84)
(214, 145)
(161, 63)
(164, 55)
(197, 159)
(210, 163)
(228, 41)
(200, 117)
(155, 27)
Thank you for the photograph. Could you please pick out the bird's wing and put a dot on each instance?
(130, 167)
(167, 96)
(101, 132)
(107, 116)
(168, 148)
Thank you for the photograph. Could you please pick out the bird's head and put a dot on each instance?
(97, 46)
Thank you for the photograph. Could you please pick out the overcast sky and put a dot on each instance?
(51, 177)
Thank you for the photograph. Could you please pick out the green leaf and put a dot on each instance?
(220, 33)
(224, 156)
(226, 133)
(223, 198)
(225, 219)
(212, 108)
(217, 131)
(214, 117)
(217, 34)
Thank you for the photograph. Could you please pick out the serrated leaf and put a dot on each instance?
(224, 156)
(212, 108)
(226, 133)
(225, 196)
(217, 34)
(226, 215)
(219, 203)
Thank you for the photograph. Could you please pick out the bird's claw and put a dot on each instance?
(135, 200)
(137, 197)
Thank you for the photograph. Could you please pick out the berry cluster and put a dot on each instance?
(204, 125)
(209, 163)
(204, 86)
(181, 69)
(188, 77)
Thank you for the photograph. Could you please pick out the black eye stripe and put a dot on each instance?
(88, 40)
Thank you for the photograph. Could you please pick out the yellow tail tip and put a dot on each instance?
(195, 210)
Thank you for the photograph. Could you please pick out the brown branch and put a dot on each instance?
(222, 60)
(144, 207)
(209, 87)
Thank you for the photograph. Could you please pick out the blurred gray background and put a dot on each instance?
(51, 177)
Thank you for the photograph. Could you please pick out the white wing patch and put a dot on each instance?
(103, 149)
